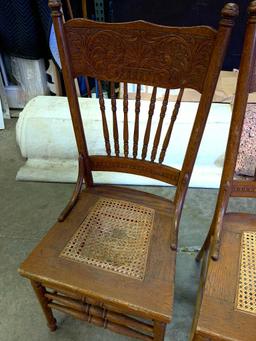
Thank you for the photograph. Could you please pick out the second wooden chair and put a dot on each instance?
(226, 307)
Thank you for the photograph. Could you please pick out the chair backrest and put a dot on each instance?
(246, 84)
(144, 54)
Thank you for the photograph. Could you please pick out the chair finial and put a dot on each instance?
(252, 8)
(55, 6)
(229, 12)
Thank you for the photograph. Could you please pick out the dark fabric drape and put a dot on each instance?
(24, 28)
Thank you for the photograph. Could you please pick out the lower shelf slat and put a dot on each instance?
(101, 322)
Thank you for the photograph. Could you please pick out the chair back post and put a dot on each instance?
(228, 13)
(244, 87)
(57, 17)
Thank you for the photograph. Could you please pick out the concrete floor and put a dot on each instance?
(29, 209)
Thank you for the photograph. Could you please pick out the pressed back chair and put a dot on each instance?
(110, 259)
(226, 305)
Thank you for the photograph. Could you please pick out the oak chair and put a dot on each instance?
(110, 259)
(226, 303)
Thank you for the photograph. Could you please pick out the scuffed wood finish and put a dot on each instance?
(246, 189)
(166, 174)
(228, 185)
(104, 120)
(149, 122)
(88, 310)
(91, 309)
(44, 302)
(217, 316)
(226, 24)
(159, 330)
(136, 124)
(253, 79)
(89, 93)
(160, 125)
(170, 128)
(100, 321)
(140, 53)
(125, 130)
(77, 190)
(71, 90)
(69, 9)
(218, 319)
(150, 299)
(115, 126)
(252, 86)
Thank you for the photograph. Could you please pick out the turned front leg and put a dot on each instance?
(40, 293)
(159, 331)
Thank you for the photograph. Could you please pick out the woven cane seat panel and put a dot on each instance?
(246, 293)
(114, 236)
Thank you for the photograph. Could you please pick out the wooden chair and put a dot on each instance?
(110, 259)
(226, 305)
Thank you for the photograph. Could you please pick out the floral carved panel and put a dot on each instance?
(140, 53)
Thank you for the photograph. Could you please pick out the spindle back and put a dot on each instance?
(144, 54)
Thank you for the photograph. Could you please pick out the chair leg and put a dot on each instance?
(159, 331)
(40, 293)
(205, 246)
